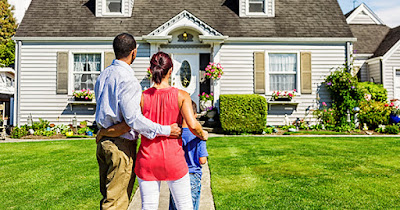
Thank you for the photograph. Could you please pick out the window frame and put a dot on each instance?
(71, 72)
(261, 14)
(268, 91)
(113, 14)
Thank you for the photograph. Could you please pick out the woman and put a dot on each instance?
(162, 159)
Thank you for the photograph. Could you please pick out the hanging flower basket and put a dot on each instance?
(214, 71)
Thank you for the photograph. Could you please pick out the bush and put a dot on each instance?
(377, 91)
(19, 132)
(243, 113)
(343, 88)
(374, 113)
(326, 116)
(392, 129)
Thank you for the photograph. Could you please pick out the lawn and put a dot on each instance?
(305, 173)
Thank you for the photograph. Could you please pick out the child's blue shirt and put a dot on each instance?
(194, 148)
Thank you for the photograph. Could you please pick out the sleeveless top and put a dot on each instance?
(161, 159)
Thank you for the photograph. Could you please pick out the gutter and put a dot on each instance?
(227, 39)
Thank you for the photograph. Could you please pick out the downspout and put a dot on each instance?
(348, 56)
(381, 68)
(17, 87)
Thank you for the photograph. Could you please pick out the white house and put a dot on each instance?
(377, 50)
(263, 45)
(7, 84)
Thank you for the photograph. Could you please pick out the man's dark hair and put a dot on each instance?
(194, 106)
(123, 44)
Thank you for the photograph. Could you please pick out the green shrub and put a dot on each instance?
(377, 91)
(19, 132)
(374, 113)
(343, 88)
(243, 113)
(392, 129)
(326, 116)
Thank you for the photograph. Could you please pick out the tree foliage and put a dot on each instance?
(7, 31)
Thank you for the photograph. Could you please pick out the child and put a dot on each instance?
(195, 155)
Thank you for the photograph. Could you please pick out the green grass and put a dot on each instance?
(305, 173)
(304, 132)
(49, 175)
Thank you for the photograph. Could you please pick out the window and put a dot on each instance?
(283, 71)
(186, 74)
(256, 6)
(86, 70)
(114, 6)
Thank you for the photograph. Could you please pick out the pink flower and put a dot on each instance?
(203, 93)
(391, 104)
(294, 90)
(386, 105)
(324, 110)
(86, 97)
(291, 95)
(212, 94)
(207, 96)
(323, 104)
(199, 95)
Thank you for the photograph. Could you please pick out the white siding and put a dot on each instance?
(39, 75)
(237, 60)
(362, 18)
(360, 62)
(392, 63)
(374, 70)
(242, 8)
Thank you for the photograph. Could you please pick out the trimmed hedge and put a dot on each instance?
(377, 91)
(243, 113)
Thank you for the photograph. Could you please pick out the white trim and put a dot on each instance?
(392, 50)
(374, 60)
(104, 12)
(196, 23)
(71, 66)
(261, 14)
(292, 39)
(394, 80)
(268, 92)
(368, 11)
(17, 83)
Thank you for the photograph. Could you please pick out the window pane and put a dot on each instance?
(84, 81)
(398, 72)
(282, 82)
(87, 62)
(256, 5)
(186, 74)
(283, 62)
(114, 6)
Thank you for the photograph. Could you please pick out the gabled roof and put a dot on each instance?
(369, 37)
(76, 18)
(390, 40)
(363, 9)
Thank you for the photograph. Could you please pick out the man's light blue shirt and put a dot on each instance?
(118, 96)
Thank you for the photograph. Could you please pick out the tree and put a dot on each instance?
(8, 27)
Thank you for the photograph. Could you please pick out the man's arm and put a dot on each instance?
(129, 96)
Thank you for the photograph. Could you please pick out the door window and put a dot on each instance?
(186, 74)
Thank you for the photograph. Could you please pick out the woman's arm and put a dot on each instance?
(113, 131)
(188, 116)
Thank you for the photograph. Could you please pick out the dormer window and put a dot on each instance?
(257, 6)
(114, 6)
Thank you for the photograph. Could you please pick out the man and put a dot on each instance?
(118, 95)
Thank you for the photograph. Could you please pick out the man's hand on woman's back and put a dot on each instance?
(176, 131)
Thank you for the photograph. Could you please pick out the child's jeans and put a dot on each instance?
(195, 185)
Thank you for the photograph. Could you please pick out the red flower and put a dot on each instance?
(386, 105)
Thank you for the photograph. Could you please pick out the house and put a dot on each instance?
(7, 93)
(263, 45)
(377, 50)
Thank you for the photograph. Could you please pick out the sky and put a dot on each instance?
(387, 10)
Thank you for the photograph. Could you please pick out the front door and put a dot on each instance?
(397, 84)
(185, 75)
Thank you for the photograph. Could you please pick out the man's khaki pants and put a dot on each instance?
(116, 158)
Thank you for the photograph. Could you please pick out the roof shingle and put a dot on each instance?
(369, 37)
(390, 40)
(76, 18)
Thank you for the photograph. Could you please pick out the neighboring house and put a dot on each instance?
(377, 50)
(7, 92)
(263, 45)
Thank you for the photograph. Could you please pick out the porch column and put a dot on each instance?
(216, 83)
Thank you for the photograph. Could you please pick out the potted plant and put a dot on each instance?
(83, 95)
(283, 95)
(214, 71)
(395, 114)
(206, 101)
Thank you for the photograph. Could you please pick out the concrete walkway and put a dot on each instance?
(206, 198)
